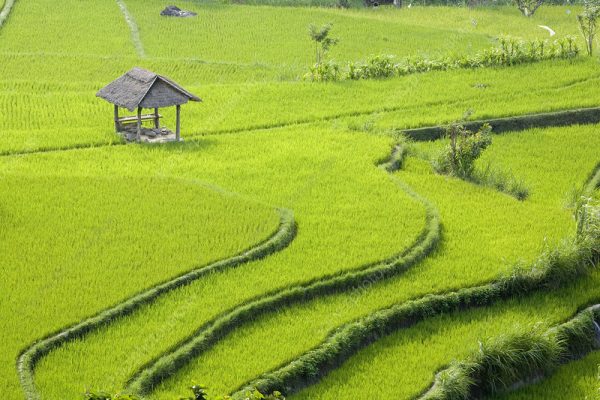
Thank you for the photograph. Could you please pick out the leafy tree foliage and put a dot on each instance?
(320, 35)
(529, 7)
(588, 23)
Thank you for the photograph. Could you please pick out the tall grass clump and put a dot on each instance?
(517, 358)
(496, 366)
(502, 181)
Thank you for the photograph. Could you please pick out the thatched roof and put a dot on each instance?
(142, 88)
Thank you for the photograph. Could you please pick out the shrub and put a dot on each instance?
(458, 158)
(324, 72)
(510, 51)
(379, 67)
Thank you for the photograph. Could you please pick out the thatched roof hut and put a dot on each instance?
(140, 88)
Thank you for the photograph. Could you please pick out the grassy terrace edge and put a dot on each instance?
(29, 357)
(166, 364)
(579, 116)
(519, 359)
(553, 270)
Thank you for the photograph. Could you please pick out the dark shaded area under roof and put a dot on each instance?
(143, 88)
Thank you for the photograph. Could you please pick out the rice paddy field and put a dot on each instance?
(295, 240)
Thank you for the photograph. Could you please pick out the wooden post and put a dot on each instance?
(178, 124)
(156, 119)
(116, 118)
(139, 124)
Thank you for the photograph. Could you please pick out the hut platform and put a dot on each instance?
(148, 135)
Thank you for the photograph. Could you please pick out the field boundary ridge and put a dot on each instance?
(578, 116)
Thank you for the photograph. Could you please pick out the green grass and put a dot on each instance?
(84, 229)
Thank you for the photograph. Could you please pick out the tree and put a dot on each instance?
(322, 40)
(528, 7)
(587, 23)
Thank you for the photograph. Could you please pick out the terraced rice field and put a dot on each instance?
(294, 241)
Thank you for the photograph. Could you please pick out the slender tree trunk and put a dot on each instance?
(591, 34)
(317, 53)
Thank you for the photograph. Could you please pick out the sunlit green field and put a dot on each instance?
(88, 222)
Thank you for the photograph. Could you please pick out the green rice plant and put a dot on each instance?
(34, 352)
(86, 228)
(297, 186)
(415, 353)
(495, 367)
(162, 367)
(73, 213)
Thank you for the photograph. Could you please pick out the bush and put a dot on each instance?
(458, 158)
(324, 72)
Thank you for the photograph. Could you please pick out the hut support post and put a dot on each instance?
(116, 118)
(139, 124)
(178, 124)
(156, 119)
